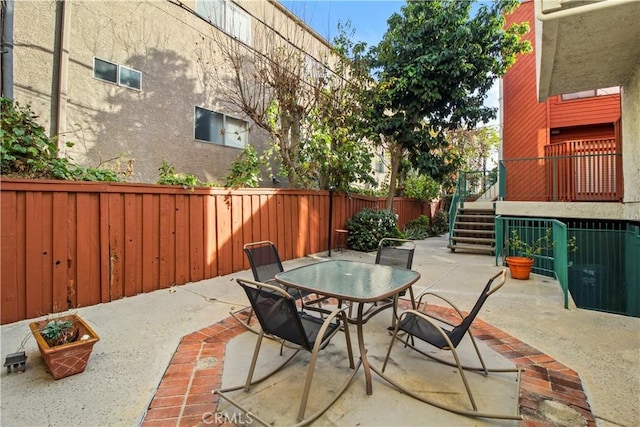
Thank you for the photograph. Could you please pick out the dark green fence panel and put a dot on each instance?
(603, 273)
(632, 269)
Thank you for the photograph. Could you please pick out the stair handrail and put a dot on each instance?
(457, 200)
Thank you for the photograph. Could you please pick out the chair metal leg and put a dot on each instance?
(475, 414)
(461, 368)
(464, 378)
(319, 344)
(314, 357)
(254, 359)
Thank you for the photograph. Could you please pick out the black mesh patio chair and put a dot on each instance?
(429, 329)
(265, 264)
(394, 253)
(279, 316)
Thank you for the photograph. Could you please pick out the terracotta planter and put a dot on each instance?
(520, 267)
(66, 359)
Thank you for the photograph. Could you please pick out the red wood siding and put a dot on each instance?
(527, 123)
(71, 244)
(584, 111)
(602, 131)
(525, 130)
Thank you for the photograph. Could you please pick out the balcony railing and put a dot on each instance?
(572, 171)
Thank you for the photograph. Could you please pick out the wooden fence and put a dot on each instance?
(73, 244)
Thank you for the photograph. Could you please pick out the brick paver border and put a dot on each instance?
(184, 397)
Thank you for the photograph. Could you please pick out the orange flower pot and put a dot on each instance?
(66, 359)
(519, 267)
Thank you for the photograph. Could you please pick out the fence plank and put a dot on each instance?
(34, 286)
(272, 209)
(60, 232)
(211, 261)
(167, 241)
(196, 238)
(105, 245)
(302, 242)
(225, 247)
(148, 248)
(236, 232)
(85, 251)
(12, 309)
(131, 245)
(182, 238)
(116, 247)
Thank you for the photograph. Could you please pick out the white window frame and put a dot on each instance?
(119, 69)
(122, 67)
(225, 138)
(590, 93)
(227, 16)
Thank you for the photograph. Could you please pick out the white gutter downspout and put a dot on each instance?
(63, 67)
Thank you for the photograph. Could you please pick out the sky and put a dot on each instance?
(368, 20)
(368, 17)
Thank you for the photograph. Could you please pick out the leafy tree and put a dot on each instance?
(308, 105)
(335, 151)
(435, 66)
(421, 187)
(476, 148)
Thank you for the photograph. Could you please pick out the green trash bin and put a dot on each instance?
(585, 284)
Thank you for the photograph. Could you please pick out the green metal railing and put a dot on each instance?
(551, 262)
(566, 178)
(603, 273)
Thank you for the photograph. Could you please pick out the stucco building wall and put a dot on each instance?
(171, 47)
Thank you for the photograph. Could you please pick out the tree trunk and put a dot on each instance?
(395, 152)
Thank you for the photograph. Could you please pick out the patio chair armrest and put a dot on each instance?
(320, 343)
(269, 286)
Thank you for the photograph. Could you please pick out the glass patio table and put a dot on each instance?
(353, 281)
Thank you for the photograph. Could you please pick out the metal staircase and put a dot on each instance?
(473, 230)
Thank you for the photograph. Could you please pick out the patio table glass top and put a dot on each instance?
(349, 280)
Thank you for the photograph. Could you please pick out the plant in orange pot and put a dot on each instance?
(65, 343)
(521, 264)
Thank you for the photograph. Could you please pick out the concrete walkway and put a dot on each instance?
(161, 353)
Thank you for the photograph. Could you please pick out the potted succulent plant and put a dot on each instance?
(520, 265)
(65, 343)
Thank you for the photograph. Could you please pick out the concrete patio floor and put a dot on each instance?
(162, 353)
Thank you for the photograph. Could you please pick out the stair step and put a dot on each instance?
(472, 231)
(477, 211)
(473, 248)
(473, 240)
(477, 223)
(482, 217)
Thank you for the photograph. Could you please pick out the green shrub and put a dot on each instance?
(169, 176)
(28, 152)
(368, 226)
(440, 223)
(245, 170)
(417, 229)
(421, 187)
